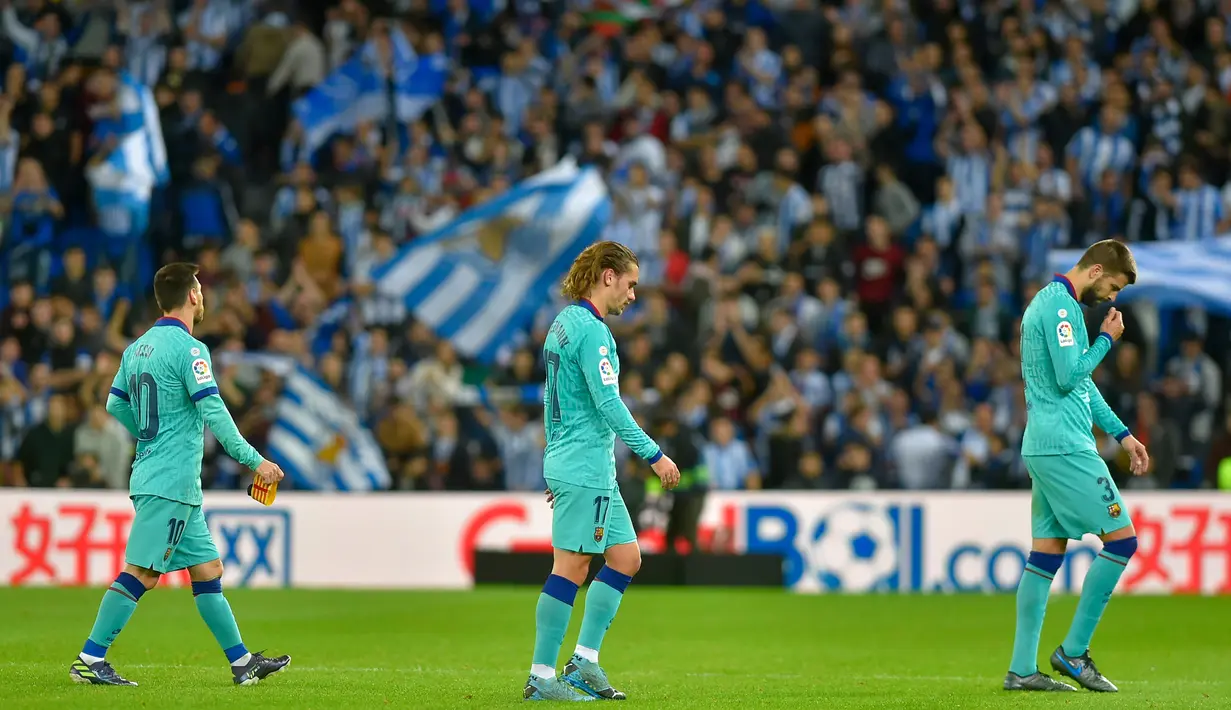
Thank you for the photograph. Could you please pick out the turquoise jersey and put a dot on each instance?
(582, 409)
(164, 393)
(1062, 401)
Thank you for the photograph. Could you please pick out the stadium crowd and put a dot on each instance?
(840, 209)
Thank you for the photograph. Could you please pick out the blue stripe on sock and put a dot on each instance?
(131, 584)
(211, 586)
(1125, 548)
(616, 580)
(560, 588)
(1046, 561)
(235, 652)
(92, 649)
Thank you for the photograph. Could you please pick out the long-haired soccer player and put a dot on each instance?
(164, 394)
(582, 415)
(1073, 493)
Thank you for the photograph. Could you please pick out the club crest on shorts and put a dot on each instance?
(598, 534)
(1114, 510)
(167, 555)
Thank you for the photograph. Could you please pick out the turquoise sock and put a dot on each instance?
(602, 603)
(1096, 591)
(1032, 593)
(551, 619)
(215, 610)
(119, 603)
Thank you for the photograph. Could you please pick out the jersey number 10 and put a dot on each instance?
(144, 393)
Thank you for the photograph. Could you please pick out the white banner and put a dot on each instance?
(848, 542)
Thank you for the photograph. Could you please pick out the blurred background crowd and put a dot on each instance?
(840, 209)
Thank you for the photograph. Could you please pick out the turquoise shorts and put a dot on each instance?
(589, 520)
(1073, 494)
(167, 535)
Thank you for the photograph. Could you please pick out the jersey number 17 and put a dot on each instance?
(553, 395)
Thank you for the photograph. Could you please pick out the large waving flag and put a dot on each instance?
(320, 443)
(357, 91)
(139, 161)
(1174, 274)
(480, 279)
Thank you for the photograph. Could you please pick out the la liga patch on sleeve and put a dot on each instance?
(1064, 334)
(606, 372)
(201, 371)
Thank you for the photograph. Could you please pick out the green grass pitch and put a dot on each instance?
(681, 648)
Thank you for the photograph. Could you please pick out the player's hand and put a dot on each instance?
(269, 472)
(551, 499)
(1138, 458)
(1113, 324)
(667, 472)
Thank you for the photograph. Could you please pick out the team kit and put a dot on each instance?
(165, 394)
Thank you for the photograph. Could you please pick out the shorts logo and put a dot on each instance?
(1114, 510)
(1064, 334)
(167, 556)
(606, 372)
(598, 534)
(200, 371)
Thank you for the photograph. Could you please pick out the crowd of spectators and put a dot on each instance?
(840, 208)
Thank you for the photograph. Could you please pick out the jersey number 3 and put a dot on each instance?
(144, 393)
(553, 374)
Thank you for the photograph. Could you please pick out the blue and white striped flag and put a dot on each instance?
(1174, 274)
(479, 280)
(356, 91)
(319, 441)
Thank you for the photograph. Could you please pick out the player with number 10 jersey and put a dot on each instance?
(164, 394)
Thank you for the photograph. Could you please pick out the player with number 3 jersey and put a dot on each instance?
(164, 394)
(582, 416)
(1073, 493)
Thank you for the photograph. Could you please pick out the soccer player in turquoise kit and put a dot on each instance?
(164, 394)
(1073, 493)
(582, 415)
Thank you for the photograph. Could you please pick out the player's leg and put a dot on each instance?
(604, 596)
(570, 566)
(1046, 555)
(199, 555)
(152, 541)
(117, 607)
(1095, 506)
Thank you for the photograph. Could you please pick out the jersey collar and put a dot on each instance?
(173, 322)
(1068, 285)
(585, 303)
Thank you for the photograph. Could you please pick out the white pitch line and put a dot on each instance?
(423, 670)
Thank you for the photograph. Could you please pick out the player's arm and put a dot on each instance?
(1103, 415)
(604, 388)
(119, 401)
(203, 390)
(1071, 365)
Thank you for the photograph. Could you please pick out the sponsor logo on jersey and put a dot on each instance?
(606, 372)
(602, 350)
(197, 351)
(1114, 510)
(200, 371)
(1062, 313)
(1064, 334)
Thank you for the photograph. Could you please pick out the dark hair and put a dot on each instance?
(172, 284)
(1115, 258)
